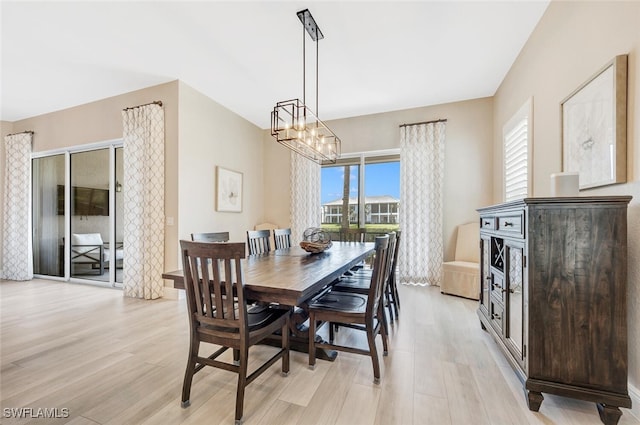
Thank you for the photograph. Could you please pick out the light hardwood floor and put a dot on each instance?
(115, 360)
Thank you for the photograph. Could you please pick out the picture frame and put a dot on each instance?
(594, 127)
(228, 190)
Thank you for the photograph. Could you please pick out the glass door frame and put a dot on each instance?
(112, 145)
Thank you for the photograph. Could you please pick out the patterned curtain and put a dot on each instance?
(305, 196)
(143, 216)
(17, 256)
(421, 193)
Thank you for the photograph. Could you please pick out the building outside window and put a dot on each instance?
(373, 187)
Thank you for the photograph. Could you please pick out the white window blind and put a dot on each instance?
(516, 155)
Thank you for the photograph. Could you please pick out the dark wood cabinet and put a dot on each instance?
(553, 295)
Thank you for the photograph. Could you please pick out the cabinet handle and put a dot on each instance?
(498, 286)
(495, 316)
(486, 223)
(508, 223)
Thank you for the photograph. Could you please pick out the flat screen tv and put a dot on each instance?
(85, 201)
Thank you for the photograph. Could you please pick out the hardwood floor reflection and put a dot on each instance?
(115, 360)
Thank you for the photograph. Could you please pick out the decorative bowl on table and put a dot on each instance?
(315, 240)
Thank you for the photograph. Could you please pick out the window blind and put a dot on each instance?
(516, 155)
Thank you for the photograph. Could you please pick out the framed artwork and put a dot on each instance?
(594, 127)
(228, 190)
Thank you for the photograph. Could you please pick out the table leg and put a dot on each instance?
(299, 337)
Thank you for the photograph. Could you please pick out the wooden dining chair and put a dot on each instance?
(352, 235)
(282, 238)
(258, 241)
(210, 237)
(360, 282)
(363, 312)
(218, 314)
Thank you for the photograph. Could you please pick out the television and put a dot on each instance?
(85, 201)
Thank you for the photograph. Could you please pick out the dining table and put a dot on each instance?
(292, 277)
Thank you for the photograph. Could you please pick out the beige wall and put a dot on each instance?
(468, 183)
(573, 41)
(102, 120)
(210, 136)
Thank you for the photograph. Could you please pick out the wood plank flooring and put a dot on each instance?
(112, 360)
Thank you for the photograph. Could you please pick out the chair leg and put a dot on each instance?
(242, 383)
(373, 351)
(382, 316)
(389, 301)
(236, 357)
(189, 372)
(285, 347)
(312, 340)
(385, 339)
(332, 329)
(396, 298)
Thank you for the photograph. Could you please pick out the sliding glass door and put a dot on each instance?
(90, 220)
(77, 214)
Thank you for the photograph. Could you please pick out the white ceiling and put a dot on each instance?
(247, 55)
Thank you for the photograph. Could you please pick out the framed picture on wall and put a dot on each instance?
(228, 190)
(594, 127)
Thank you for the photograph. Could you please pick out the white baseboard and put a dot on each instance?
(171, 293)
(634, 393)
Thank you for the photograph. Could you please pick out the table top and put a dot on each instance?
(291, 276)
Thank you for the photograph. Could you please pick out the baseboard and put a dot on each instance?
(171, 293)
(634, 393)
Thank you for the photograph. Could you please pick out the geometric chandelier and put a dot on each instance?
(293, 124)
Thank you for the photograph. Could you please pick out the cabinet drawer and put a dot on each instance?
(510, 223)
(488, 223)
(496, 314)
(497, 287)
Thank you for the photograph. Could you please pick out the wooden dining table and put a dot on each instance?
(292, 277)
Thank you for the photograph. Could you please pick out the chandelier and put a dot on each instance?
(293, 124)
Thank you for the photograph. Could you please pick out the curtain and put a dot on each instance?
(421, 194)
(143, 215)
(17, 257)
(306, 210)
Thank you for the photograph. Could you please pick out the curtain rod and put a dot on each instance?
(423, 122)
(155, 102)
(20, 132)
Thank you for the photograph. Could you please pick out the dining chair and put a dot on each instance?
(363, 312)
(392, 297)
(210, 237)
(258, 241)
(219, 314)
(360, 281)
(352, 235)
(282, 238)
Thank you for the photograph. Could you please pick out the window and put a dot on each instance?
(373, 185)
(517, 146)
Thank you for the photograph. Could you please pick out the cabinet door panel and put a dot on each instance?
(514, 283)
(485, 274)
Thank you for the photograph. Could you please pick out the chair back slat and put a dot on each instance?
(258, 241)
(214, 286)
(352, 235)
(389, 262)
(210, 237)
(378, 273)
(282, 238)
(394, 262)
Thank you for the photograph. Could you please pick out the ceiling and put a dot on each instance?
(247, 55)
